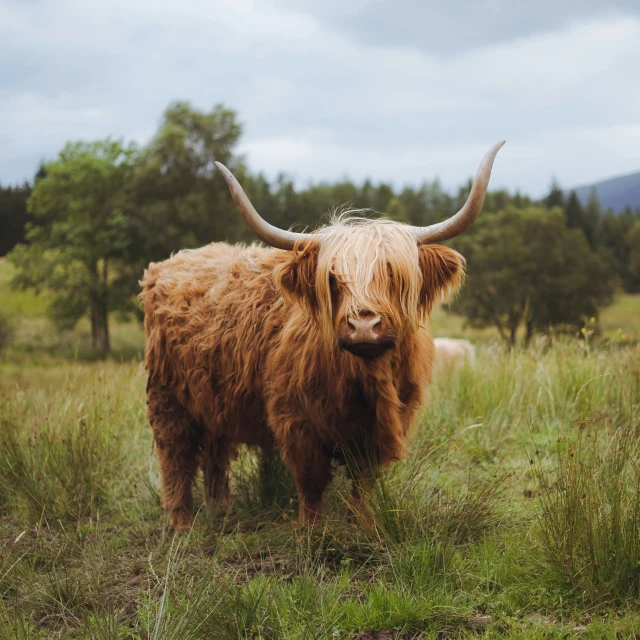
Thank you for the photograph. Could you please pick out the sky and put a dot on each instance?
(400, 91)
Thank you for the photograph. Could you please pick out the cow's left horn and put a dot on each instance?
(462, 220)
(261, 228)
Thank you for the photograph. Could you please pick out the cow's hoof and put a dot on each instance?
(180, 521)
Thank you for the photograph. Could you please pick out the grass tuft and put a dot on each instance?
(590, 515)
(406, 507)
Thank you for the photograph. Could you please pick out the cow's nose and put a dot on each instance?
(365, 328)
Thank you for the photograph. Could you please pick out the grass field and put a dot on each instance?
(37, 342)
(516, 513)
(35, 334)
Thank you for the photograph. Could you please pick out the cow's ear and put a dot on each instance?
(296, 276)
(442, 273)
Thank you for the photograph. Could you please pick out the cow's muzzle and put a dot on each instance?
(368, 336)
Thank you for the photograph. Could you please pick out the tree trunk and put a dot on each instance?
(503, 335)
(512, 336)
(529, 333)
(99, 324)
(99, 308)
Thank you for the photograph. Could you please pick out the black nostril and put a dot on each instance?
(350, 325)
(377, 323)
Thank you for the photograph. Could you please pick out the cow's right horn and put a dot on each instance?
(264, 231)
(462, 220)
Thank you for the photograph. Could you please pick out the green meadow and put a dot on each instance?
(516, 513)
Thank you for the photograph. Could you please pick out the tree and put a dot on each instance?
(176, 198)
(396, 210)
(574, 211)
(614, 243)
(632, 240)
(587, 218)
(77, 248)
(13, 216)
(612, 246)
(178, 190)
(555, 197)
(592, 217)
(526, 268)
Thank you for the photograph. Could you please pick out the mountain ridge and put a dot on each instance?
(613, 193)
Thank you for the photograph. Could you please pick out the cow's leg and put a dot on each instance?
(177, 439)
(216, 455)
(311, 468)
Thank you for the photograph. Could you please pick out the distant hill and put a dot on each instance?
(615, 193)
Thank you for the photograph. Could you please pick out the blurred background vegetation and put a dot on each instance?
(78, 238)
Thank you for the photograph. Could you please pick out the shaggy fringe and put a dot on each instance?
(378, 268)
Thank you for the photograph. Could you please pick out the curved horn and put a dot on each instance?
(264, 231)
(462, 220)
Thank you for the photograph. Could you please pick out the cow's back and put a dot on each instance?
(451, 351)
(207, 312)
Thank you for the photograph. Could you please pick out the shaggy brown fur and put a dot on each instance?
(242, 349)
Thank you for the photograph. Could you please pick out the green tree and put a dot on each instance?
(13, 216)
(396, 210)
(611, 244)
(592, 218)
(555, 197)
(182, 201)
(632, 240)
(587, 218)
(574, 211)
(526, 268)
(77, 248)
(177, 198)
(614, 243)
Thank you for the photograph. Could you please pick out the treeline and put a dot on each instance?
(614, 235)
(175, 194)
(95, 217)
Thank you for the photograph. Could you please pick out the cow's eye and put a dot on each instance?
(335, 289)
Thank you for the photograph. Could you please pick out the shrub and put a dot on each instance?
(590, 516)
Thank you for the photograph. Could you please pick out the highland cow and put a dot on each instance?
(451, 352)
(317, 347)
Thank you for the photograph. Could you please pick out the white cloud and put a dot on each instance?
(317, 103)
(531, 161)
(48, 115)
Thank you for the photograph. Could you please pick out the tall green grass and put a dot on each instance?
(66, 454)
(590, 487)
(515, 514)
(590, 516)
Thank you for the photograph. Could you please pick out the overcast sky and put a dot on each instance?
(394, 90)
